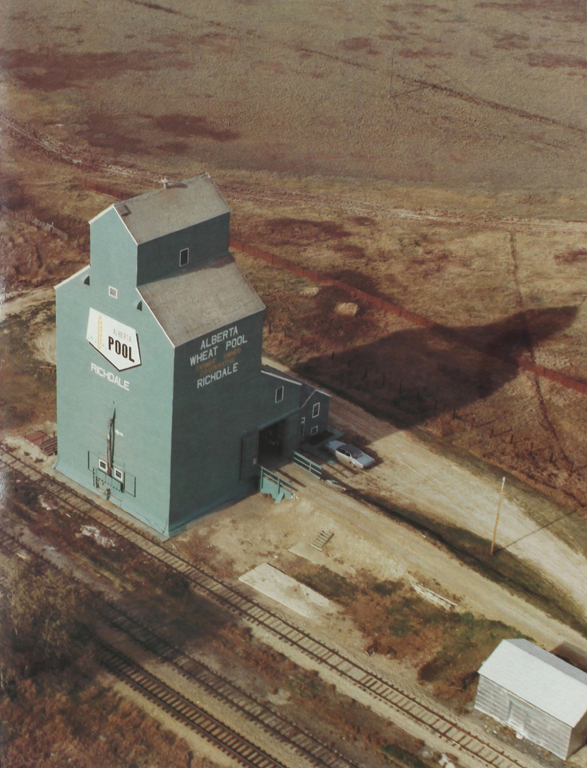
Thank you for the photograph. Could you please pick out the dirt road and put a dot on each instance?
(415, 475)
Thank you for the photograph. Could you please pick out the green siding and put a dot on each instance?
(320, 421)
(210, 421)
(187, 433)
(112, 258)
(160, 258)
(270, 411)
(86, 401)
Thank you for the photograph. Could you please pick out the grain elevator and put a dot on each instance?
(163, 402)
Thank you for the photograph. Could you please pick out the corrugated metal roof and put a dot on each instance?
(539, 678)
(172, 208)
(200, 300)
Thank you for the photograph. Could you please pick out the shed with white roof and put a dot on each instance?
(542, 697)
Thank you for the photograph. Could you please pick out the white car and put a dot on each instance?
(349, 454)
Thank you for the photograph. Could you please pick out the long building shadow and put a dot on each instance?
(415, 374)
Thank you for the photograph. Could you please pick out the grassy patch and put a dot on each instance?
(340, 716)
(52, 710)
(27, 385)
(467, 642)
(72, 720)
(504, 568)
(396, 754)
(447, 648)
(330, 584)
(305, 684)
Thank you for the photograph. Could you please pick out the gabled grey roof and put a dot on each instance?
(172, 208)
(539, 678)
(198, 301)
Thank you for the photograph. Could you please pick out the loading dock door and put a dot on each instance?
(249, 454)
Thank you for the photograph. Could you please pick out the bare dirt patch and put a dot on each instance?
(359, 44)
(55, 69)
(551, 60)
(192, 125)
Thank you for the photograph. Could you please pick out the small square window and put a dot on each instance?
(279, 394)
(316, 410)
(118, 475)
(184, 256)
(102, 465)
(314, 431)
(112, 292)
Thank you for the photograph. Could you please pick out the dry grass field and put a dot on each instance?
(485, 96)
(432, 154)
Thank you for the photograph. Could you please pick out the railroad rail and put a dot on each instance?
(183, 710)
(217, 686)
(232, 599)
(273, 723)
(164, 696)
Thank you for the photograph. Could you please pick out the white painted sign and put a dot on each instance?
(109, 376)
(217, 355)
(117, 342)
(224, 340)
(228, 370)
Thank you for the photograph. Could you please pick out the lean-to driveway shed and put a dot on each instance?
(543, 698)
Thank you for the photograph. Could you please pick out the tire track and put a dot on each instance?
(530, 345)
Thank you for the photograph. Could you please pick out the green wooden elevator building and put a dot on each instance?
(163, 403)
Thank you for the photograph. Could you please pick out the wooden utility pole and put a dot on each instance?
(497, 516)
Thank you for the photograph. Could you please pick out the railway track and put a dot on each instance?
(238, 603)
(152, 688)
(164, 696)
(184, 711)
(273, 723)
(214, 684)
